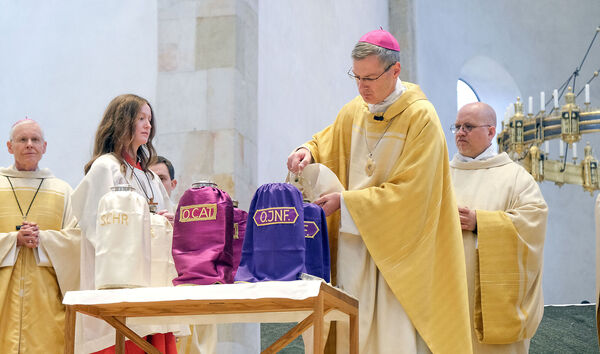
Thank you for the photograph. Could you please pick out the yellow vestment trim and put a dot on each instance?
(500, 313)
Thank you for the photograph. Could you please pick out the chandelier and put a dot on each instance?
(525, 138)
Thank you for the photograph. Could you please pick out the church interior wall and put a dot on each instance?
(304, 51)
(61, 64)
(207, 84)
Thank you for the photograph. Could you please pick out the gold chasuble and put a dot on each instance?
(33, 281)
(400, 197)
(504, 258)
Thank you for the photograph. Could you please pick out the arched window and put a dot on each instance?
(465, 94)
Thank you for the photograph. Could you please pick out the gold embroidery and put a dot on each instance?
(198, 212)
(114, 218)
(279, 215)
(236, 231)
(310, 229)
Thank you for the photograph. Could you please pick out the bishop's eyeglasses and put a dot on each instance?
(455, 128)
(368, 79)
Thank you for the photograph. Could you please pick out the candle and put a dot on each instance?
(587, 93)
(555, 95)
(547, 146)
(542, 101)
(575, 150)
(561, 147)
(530, 105)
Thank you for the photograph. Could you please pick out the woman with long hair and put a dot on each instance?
(122, 153)
(126, 131)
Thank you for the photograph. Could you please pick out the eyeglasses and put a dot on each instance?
(25, 141)
(455, 128)
(368, 79)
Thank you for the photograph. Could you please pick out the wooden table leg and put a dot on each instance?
(70, 316)
(289, 336)
(292, 334)
(119, 325)
(119, 338)
(318, 325)
(353, 333)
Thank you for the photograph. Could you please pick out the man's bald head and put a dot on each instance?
(483, 111)
(477, 127)
(27, 144)
(22, 122)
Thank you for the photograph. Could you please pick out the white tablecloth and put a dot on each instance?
(294, 290)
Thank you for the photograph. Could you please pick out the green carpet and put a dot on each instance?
(567, 329)
(270, 332)
(564, 329)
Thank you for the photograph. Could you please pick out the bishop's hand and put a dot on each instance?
(329, 202)
(298, 160)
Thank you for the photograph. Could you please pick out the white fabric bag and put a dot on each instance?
(122, 243)
(163, 267)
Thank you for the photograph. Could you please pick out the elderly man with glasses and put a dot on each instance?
(399, 247)
(503, 217)
(39, 247)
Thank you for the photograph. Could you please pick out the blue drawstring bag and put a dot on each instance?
(274, 244)
(317, 242)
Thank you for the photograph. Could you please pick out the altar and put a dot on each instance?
(308, 302)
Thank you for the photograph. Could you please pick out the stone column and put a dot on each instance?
(402, 26)
(206, 108)
(207, 92)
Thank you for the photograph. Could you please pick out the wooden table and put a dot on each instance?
(308, 302)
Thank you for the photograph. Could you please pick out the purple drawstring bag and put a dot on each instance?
(240, 218)
(317, 242)
(274, 247)
(202, 237)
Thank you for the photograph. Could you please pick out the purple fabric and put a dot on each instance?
(240, 217)
(317, 241)
(274, 247)
(203, 237)
(381, 38)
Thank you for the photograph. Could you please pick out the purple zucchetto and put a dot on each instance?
(381, 38)
(24, 120)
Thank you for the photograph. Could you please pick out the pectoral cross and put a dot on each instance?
(152, 205)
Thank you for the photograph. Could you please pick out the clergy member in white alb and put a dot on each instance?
(39, 248)
(503, 217)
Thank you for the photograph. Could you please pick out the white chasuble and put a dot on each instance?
(504, 257)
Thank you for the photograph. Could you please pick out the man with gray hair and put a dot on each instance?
(394, 232)
(503, 218)
(39, 247)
